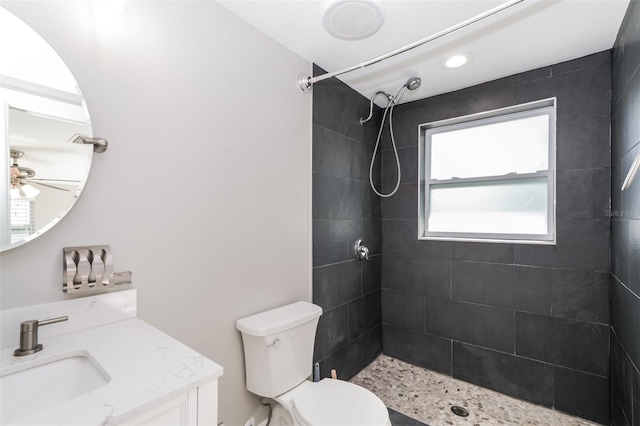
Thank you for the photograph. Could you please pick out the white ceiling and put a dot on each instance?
(529, 35)
(43, 139)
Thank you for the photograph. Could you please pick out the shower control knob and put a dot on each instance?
(362, 252)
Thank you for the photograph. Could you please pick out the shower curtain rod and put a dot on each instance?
(306, 82)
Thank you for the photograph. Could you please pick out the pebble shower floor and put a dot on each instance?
(428, 396)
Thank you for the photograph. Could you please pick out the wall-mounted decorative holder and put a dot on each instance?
(90, 269)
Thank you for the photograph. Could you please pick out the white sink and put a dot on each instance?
(42, 386)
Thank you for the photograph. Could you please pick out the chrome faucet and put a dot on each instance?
(29, 335)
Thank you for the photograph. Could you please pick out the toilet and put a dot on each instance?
(278, 352)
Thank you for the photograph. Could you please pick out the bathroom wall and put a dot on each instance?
(625, 225)
(204, 192)
(344, 209)
(530, 321)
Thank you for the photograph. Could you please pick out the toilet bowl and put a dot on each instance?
(333, 402)
(278, 348)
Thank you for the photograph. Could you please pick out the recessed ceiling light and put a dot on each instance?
(455, 61)
(353, 19)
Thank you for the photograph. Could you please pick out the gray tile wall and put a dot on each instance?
(625, 225)
(530, 321)
(345, 209)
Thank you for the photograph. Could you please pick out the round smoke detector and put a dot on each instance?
(353, 19)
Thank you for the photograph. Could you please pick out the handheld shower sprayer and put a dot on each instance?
(412, 84)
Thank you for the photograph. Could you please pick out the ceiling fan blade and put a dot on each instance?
(49, 186)
(54, 180)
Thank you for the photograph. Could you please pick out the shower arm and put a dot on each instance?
(306, 82)
(379, 92)
(391, 100)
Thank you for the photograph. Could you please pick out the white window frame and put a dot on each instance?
(26, 209)
(543, 107)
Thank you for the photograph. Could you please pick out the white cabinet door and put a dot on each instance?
(198, 407)
(208, 404)
(181, 411)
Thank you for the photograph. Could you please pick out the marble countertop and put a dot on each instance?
(146, 368)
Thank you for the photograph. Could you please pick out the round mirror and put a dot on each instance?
(42, 115)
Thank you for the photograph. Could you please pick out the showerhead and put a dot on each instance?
(413, 83)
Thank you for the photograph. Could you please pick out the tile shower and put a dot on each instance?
(426, 398)
(625, 225)
(528, 321)
(345, 209)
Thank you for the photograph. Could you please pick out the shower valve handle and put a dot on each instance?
(362, 252)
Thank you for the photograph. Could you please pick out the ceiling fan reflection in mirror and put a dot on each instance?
(23, 177)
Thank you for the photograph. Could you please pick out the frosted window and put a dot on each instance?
(516, 206)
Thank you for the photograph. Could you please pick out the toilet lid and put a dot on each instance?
(339, 403)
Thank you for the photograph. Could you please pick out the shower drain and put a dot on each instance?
(460, 411)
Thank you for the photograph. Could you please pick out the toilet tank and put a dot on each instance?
(278, 347)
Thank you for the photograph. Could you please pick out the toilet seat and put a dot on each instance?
(338, 403)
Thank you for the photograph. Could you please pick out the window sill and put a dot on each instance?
(488, 240)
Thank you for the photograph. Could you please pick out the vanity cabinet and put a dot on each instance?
(197, 407)
(157, 381)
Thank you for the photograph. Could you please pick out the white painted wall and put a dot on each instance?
(204, 192)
